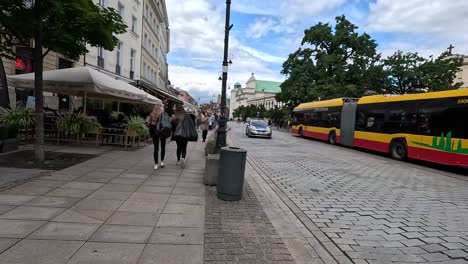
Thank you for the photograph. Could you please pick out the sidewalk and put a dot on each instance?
(111, 209)
(117, 209)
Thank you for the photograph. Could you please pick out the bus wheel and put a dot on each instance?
(332, 138)
(301, 132)
(398, 150)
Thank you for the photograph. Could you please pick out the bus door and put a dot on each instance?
(348, 118)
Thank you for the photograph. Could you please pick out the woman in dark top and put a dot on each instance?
(156, 135)
(182, 142)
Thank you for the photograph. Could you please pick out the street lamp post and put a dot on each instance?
(221, 135)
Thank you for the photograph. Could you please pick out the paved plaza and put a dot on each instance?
(304, 202)
(374, 209)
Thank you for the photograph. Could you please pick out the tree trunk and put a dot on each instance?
(38, 85)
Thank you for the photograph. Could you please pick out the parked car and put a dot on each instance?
(258, 128)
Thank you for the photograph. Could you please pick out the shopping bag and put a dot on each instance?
(186, 129)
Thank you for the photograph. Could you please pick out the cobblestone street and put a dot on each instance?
(375, 209)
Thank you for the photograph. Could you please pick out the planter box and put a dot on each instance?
(9, 144)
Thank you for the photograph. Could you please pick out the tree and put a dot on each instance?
(439, 74)
(63, 26)
(331, 63)
(250, 111)
(278, 114)
(411, 73)
(404, 73)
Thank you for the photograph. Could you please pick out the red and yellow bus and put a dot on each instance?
(428, 126)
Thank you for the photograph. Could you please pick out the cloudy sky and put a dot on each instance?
(266, 31)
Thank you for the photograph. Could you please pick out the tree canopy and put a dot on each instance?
(331, 62)
(67, 25)
(338, 61)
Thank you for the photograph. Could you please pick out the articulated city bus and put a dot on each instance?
(428, 126)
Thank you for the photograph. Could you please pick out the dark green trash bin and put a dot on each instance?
(231, 173)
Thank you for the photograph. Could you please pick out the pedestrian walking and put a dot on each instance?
(185, 131)
(204, 126)
(199, 120)
(210, 122)
(157, 134)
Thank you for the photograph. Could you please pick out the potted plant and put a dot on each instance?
(78, 124)
(20, 118)
(136, 127)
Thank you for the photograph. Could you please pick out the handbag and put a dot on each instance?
(164, 126)
(186, 129)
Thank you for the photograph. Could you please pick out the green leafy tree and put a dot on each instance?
(278, 114)
(331, 62)
(63, 26)
(439, 74)
(411, 73)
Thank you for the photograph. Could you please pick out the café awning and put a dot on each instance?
(86, 82)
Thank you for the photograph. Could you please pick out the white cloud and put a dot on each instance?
(204, 85)
(436, 16)
(261, 27)
(427, 27)
(197, 41)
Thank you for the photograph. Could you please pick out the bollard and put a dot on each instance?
(231, 173)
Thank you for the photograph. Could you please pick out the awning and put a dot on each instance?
(151, 88)
(86, 82)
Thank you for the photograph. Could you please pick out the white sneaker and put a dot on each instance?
(178, 162)
(182, 163)
(156, 166)
(162, 164)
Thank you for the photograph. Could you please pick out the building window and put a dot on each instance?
(100, 57)
(132, 63)
(153, 51)
(134, 24)
(148, 73)
(120, 9)
(103, 3)
(118, 58)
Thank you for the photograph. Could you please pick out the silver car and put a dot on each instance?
(258, 128)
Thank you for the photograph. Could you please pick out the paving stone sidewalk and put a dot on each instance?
(111, 209)
(117, 209)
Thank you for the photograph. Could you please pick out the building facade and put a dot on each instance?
(256, 92)
(140, 58)
(155, 44)
(124, 61)
(462, 75)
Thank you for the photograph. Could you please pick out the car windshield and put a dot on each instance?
(258, 123)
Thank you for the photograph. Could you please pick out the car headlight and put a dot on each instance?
(253, 129)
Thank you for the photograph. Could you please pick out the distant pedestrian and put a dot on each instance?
(210, 122)
(213, 121)
(204, 126)
(157, 135)
(199, 120)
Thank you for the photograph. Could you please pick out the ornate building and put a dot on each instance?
(256, 92)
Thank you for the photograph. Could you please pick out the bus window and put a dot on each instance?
(456, 121)
(375, 120)
(297, 119)
(431, 121)
(361, 121)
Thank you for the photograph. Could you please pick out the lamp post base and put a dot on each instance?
(221, 134)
